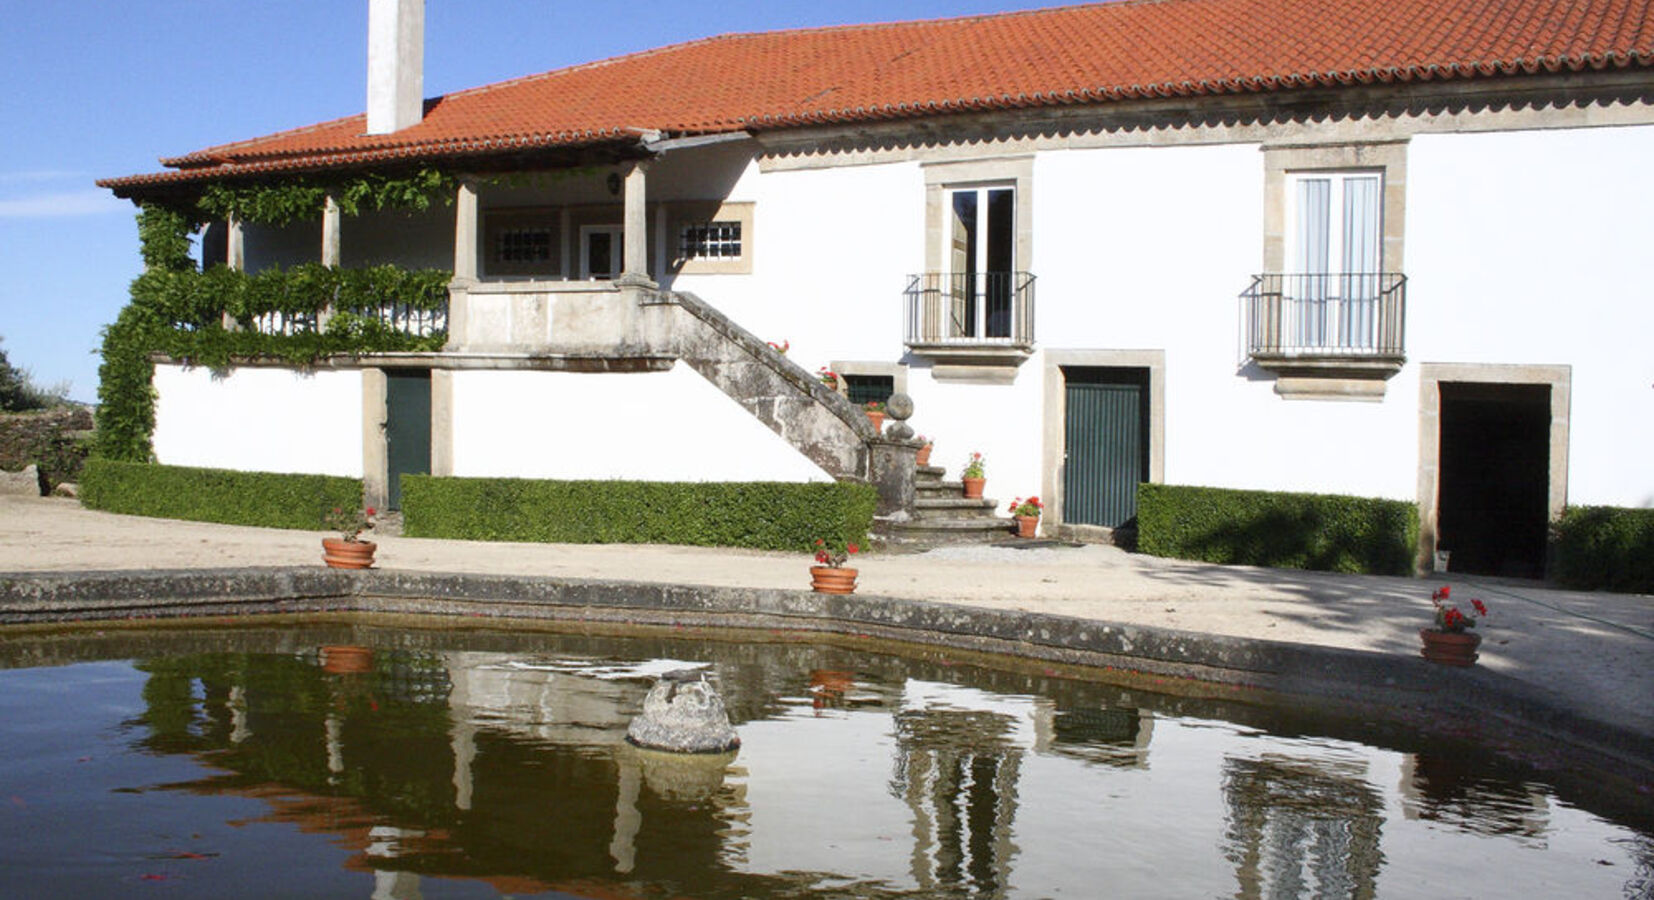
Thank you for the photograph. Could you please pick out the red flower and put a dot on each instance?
(371, 511)
(1442, 592)
(853, 548)
(821, 555)
(1480, 609)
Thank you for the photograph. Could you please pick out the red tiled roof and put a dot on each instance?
(1095, 53)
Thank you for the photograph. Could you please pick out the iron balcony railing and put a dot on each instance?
(1357, 315)
(970, 309)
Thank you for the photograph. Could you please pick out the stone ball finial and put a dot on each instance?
(899, 407)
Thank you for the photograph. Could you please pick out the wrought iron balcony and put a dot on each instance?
(971, 311)
(1359, 317)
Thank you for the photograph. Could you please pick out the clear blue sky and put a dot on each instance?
(93, 89)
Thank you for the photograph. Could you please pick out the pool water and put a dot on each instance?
(351, 760)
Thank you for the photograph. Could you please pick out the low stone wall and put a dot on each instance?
(46, 440)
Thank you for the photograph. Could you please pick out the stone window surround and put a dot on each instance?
(1431, 376)
(1333, 378)
(673, 215)
(1017, 171)
(977, 363)
(1054, 439)
(896, 372)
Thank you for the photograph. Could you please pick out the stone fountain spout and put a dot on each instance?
(683, 714)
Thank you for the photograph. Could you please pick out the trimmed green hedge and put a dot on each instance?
(1326, 532)
(1604, 548)
(270, 499)
(758, 515)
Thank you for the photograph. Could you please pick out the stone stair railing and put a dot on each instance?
(825, 426)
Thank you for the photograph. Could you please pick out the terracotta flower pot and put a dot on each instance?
(923, 458)
(1027, 526)
(877, 418)
(1450, 648)
(828, 580)
(341, 554)
(973, 487)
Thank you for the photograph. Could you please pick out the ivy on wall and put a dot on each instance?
(179, 310)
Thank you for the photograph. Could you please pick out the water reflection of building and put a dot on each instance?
(1107, 736)
(957, 770)
(1302, 828)
(510, 767)
(1450, 790)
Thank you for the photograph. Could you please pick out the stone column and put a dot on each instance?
(465, 263)
(235, 257)
(892, 464)
(635, 258)
(330, 231)
(330, 250)
(465, 231)
(893, 461)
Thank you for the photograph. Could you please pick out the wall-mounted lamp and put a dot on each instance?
(614, 183)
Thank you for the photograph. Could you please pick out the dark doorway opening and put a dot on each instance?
(407, 428)
(1494, 501)
(1106, 444)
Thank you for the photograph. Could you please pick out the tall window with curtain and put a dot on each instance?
(1334, 258)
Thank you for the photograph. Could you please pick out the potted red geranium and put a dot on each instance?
(829, 575)
(1027, 513)
(1450, 642)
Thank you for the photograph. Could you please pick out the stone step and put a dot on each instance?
(954, 507)
(936, 532)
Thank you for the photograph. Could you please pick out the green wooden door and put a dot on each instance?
(407, 428)
(1107, 444)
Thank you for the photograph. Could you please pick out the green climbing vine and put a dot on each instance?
(179, 311)
(302, 198)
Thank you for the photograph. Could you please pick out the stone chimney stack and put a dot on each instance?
(396, 64)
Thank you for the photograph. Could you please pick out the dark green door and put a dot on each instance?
(407, 427)
(1107, 444)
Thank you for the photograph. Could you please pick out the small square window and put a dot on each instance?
(868, 388)
(710, 240)
(522, 245)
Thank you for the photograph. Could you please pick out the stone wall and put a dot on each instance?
(48, 439)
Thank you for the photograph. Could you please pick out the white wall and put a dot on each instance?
(260, 420)
(1534, 248)
(657, 426)
(833, 251)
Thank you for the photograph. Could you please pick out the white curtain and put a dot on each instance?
(1309, 293)
(1360, 265)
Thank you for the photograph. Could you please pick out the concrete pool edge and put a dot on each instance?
(1476, 703)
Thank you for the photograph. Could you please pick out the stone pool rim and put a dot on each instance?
(1475, 703)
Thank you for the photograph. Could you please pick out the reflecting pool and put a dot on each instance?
(356, 760)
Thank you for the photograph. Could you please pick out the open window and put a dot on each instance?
(973, 305)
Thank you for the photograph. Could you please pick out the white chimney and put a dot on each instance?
(396, 63)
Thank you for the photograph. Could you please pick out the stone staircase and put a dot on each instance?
(942, 515)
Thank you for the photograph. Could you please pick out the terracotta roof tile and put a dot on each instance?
(1094, 53)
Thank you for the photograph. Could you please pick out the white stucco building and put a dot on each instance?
(1395, 252)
